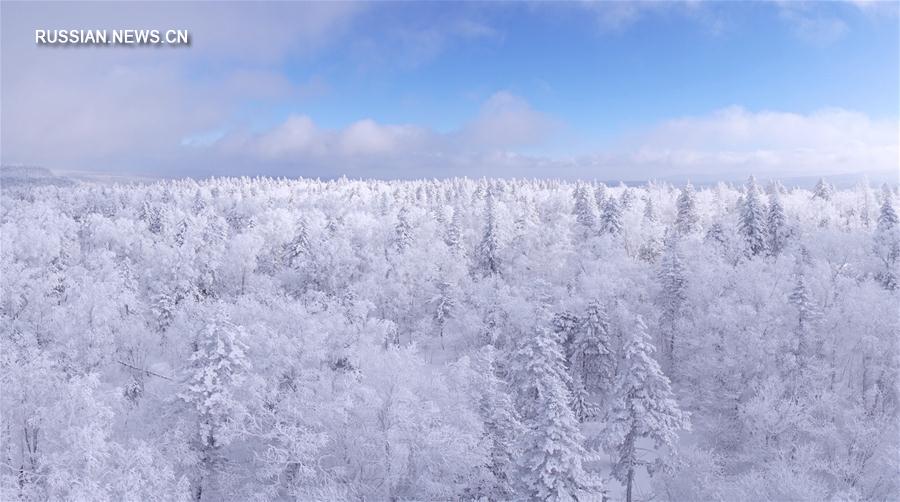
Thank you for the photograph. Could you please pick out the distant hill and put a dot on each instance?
(20, 176)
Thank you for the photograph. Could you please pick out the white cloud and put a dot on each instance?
(299, 139)
(127, 109)
(735, 141)
(505, 121)
(366, 137)
(727, 143)
(297, 135)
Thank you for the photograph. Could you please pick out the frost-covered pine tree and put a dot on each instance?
(887, 217)
(865, 203)
(218, 366)
(686, 219)
(502, 427)
(550, 467)
(298, 247)
(584, 210)
(752, 220)
(444, 305)
(807, 313)
(600, 195)
(626, 200)
(776, 224)
(649, 209)
(887, 241)
(611, 218)
(453, 233)
(489, 247)
(715, 234)
(402, 230)
(673, 297)
(590, 354)
(823, 190)
(644, 407)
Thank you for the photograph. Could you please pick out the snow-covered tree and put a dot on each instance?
(584, 210)
(649, 209)
(453, 233)
(887, 242)
(807, 313)
(644, 407)
(552, 452)
(402, 230)
(489, 248)
(823, 190)
(611, 218)
(672, 299)
(503, 428)
(218, 366)
(752, 222)
(591, 356)
(776, 225)
(444, 306)
(299, 246)
(686, 219)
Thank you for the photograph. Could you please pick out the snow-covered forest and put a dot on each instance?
(263, 339)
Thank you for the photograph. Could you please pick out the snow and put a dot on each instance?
(492, 339)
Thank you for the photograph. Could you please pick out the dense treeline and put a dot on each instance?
(260, 339)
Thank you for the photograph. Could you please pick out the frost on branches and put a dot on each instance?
(261, 339)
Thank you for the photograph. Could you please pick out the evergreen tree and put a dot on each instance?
(865, 203)
(887, 242)
(644, 407)
(649, 209)
(181, 231)
(627, 199)
(673, 298)
(611, 218)
(686, 218)
(590, 355)
(823, 190)
(752, 222)
(218, 366)
(453, 234)
(444, 305)
(584, 210)
(600, 195)
(502, 427)
(887, 217)
(299, 247)
(402, 230)
(715, 234)
(807, 312)
(551, 461)
(777, 227)
(489, 248)
(199, 204)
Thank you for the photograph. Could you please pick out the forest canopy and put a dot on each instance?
(493, 339)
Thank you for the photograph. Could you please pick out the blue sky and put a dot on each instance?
(601, 90)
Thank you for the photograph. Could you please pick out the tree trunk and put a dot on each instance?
(629, 483)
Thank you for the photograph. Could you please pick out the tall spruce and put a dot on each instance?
(591, 359)
(552, 451)
(489, 247)
(611, 218)
(584, 211)
(887, 241)
(752, 222)
(672, 300)
(645, 407)
(776, 224)
(686, 218)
